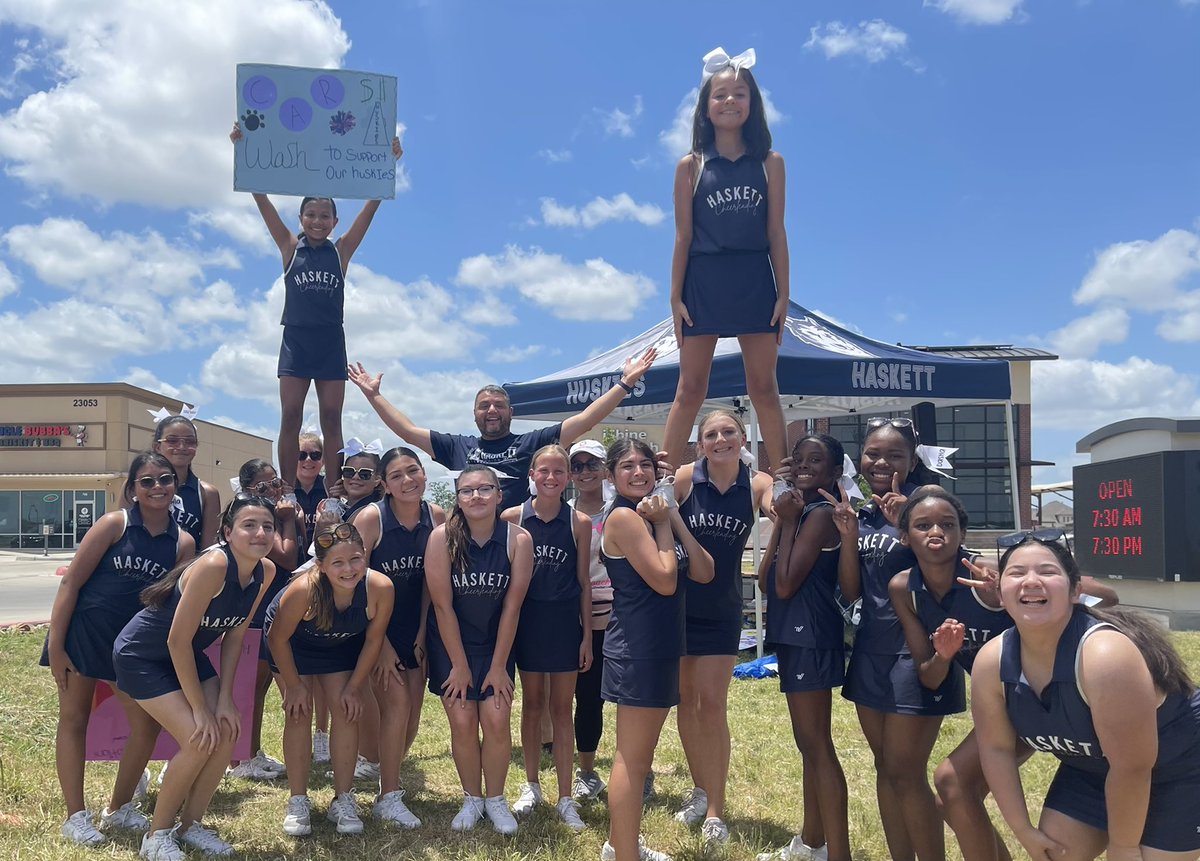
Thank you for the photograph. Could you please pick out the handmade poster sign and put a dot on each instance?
(320, 132)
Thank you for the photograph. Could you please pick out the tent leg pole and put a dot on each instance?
(756, 551)
(1012, 464)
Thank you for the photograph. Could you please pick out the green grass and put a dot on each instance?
(763, 808)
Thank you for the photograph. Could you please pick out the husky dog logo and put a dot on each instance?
(815, 333)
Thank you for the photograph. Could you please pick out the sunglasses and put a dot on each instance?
(899, 424)
(1048, 535)
(364, 473)
(341, 532)
(254, 499)
(485, 491)
(263, 486)
(167, 479)
(180, 441)
(308, 455)
(578, 467)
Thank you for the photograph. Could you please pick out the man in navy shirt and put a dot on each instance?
(496, 445)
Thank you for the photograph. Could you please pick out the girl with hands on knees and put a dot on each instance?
(1105, 693)
(948, 609)
(160, 662)
(313, 349)
(806, 630)
(729, 270)
(395, 532)
(118, 557)
(478, 569)
(326, 629)
(551, 648)
(646, 547)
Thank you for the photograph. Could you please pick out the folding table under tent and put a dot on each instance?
(823, 370)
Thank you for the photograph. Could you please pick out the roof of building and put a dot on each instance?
(1145, 423)
(988, 351)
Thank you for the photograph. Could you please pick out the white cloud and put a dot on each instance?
(489, 310)
(216, 303)
(554, 156)
(148, 380)
(504, 355)
(873, 41)
(982, 11)
(1183, 324)
(1143, 274)
(246, 427)
(9, 283)
(620, 123)
(142, 93)
(677, 138)
(599, 210)
(1082, 337)
(595, 290)
(243, 224)
(1078, 395)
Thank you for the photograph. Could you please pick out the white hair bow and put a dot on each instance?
(235, 484)
(937, 458)
(747, 458)
(354, 447)
(847, 483)
(717, 60)
(187, 412)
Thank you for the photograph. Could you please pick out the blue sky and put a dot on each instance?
(959, 171)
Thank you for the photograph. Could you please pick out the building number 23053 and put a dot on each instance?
(85, 402)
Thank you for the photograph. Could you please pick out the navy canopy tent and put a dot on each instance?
(823, 370)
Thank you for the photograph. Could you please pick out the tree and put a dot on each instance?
(440, 493)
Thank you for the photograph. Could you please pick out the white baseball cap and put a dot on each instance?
(588, 446)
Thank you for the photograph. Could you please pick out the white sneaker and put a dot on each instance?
(530, 797)
(568, 812)
(297, 822)
(714, 830)
(79, 829)
(694, 807)
(143, 786)
(320, 746)
(391, 808)
(469, 816)
(364, 769)
(645, 853)
(206, 840)
(162, 773)
(343, 813)
(797, 850)
(501, 816)
(587, 786)
(162, 846)
(128, 816)
(259, 767)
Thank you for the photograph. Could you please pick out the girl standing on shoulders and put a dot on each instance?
(326, 629)
(119, 556)
(395, 531)
(477, 568)
(314, 341)
(160, 662)
(719, 499)
(550, 646)
(805, 628)
(1102, 690)
(729, 272)
(645, 545)
(175, 438)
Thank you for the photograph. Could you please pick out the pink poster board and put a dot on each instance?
(107, 728)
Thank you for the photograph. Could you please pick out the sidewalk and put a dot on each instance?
(28, 584)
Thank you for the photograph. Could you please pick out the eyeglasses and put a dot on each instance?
(308, 455)
(485, 491)
(365, 473)
(180, 441)
(1048, 535)
(167, 479)
(341, 532)
(263, 486)
(580, 466)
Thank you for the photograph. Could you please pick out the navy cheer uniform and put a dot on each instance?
(729, 286)
(646, 635)
(314, 342)
(1060, 722)
(188, 509)
(110, 597)
(400, 555)
(510, 455)
(721, 523)
(806, 630)
(479, 594)
(550, 632)
(140, 655)
(317, 652)
(963, 604)
(882, 674)
(308, 500)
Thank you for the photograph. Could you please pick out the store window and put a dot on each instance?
(10, 518)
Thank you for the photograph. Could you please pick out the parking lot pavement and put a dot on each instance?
(28, 584)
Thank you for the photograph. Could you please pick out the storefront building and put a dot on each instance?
(65, 450)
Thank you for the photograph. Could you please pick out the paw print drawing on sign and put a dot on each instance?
(252, 120)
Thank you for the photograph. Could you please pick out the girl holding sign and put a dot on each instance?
(314, 342)
(98, 595)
